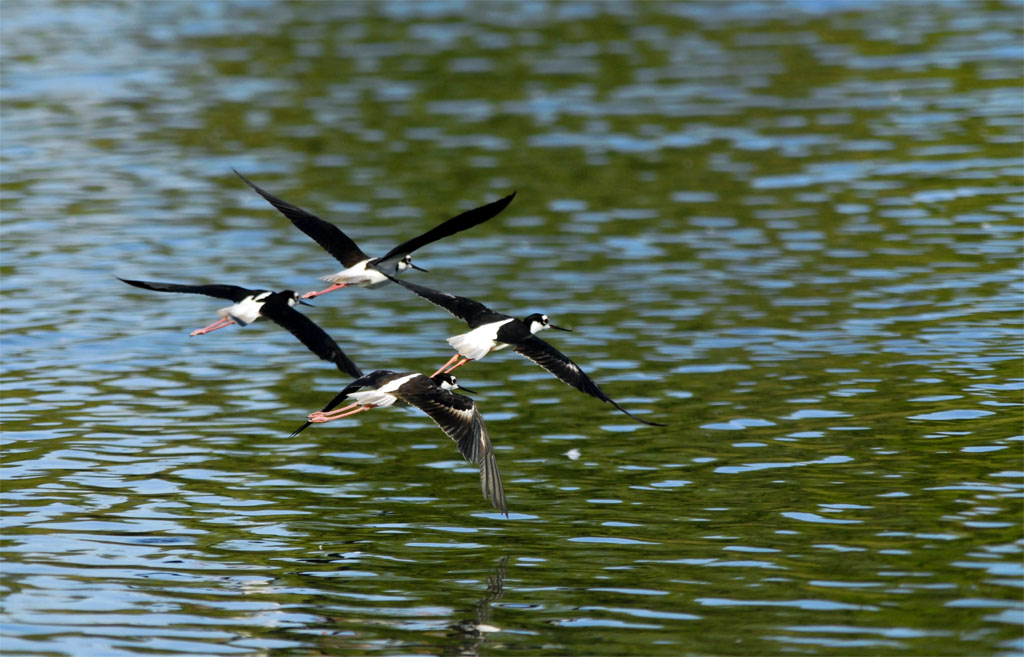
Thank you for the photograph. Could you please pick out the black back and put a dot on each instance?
(514, 332)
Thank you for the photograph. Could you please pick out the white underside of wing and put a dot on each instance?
(358, 274)
(480, 341)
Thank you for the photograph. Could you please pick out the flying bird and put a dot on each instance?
(457, 415)
(360, 269)
(492, 331)
(251, 305)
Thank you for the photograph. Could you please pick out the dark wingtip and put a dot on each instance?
(348, 367)
(649, 423)
(505, 200)
(128, 281)
(134, 283)
(299, 430)
(638, 419)
(247, 181)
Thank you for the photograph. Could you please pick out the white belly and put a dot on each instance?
(245, 311)
(480, 341)
(358, 274)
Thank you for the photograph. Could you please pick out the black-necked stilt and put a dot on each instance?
(493, 331)
(251, 305)
(361, 269)
(457, 415)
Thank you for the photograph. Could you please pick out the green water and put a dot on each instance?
(791, 231)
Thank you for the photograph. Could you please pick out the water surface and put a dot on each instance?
(790, 230)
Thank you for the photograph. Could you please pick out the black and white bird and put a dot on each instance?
(457, 415)
(360, 269)
(492, 331)
(251, 305)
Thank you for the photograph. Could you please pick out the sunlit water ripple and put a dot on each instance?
(790, 230)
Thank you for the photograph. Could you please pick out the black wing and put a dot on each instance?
(472, 312)
(231, 292)
(363, 381)
(454, 225)
(569, 372)
(306, 330)
(326, 234)
(459, 418)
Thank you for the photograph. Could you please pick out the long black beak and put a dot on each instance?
(550, 325)
(418, 268)
(306, 303)
(465, 389)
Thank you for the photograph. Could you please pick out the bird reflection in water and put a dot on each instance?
(468, 635)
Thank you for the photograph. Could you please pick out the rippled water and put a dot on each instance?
(791, 230)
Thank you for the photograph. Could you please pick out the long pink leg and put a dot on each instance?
(458, 365)
(314, 294)
(220, 323)
(445, 366)
(329, 417)
(336, 411)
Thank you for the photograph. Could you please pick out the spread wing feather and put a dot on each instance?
(559, 364)
(309, 333)
(472, 312)
(567, 371)
(230, 292)
(459, 418)
(324, 233)
(454, 225)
